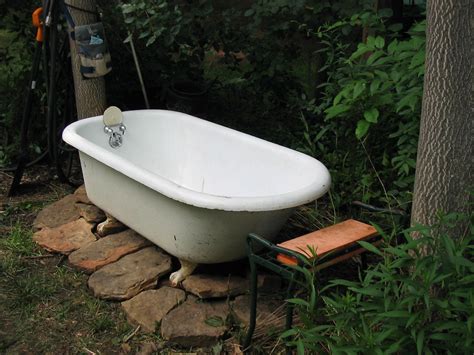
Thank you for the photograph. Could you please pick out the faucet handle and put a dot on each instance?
(113, 116)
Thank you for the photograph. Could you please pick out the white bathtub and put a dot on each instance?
(194, 188)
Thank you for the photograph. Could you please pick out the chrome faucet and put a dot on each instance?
(115, 138)
(113, 118)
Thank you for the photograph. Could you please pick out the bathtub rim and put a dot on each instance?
(188, 196)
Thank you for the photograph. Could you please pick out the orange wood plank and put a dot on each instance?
(323, 241)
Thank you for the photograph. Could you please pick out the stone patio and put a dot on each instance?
(126, 267)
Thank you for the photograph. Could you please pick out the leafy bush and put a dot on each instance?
(15, 62)
(265, 37)
(368, 115)
(180, 33)
(418, 299)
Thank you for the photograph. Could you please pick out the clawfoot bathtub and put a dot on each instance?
(194, 188)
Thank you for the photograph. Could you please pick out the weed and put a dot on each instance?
(10, 264)
(20, 241)
(412, 301)
(29, 289)
(101, 323)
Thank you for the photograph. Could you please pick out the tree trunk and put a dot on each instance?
(90, 93)
(445, 150)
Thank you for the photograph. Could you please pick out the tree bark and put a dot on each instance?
(445, 151)
(90, 93)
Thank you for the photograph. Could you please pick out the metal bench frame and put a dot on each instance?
(267, 259)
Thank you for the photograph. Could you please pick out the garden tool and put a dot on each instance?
(26, 118)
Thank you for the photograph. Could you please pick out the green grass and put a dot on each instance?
(48, 308)
(20, 241)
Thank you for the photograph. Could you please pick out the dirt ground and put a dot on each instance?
(45, 307)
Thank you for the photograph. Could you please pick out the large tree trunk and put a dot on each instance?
(445, 150)
(90, 93)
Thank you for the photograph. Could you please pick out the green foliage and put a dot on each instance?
(16, 39)
(262, 43)
(15, 61)
(19, 241)
(275, 40)
(418, 299)
(179, 32)
(369, 110)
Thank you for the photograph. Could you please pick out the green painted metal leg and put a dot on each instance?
(253, 304)
(289, 307)
(289, 310)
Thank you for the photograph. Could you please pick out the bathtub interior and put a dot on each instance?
(205, 157)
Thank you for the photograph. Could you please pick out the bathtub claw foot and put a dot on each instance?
(187, 269)
(110, 226)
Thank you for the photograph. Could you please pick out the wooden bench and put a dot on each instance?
(333, 239)
(329, 245)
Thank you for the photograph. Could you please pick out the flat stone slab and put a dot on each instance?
(57, 213)
(66, 238)
(212, 286)
(107, 250)
(130, 275)
(195, 323)
(81, 195)
(90, 213)
(148, 308)
(270, 312)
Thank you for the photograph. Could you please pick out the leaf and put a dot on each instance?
(370, 247)
(374, 86)
(417, 59)
(151, 40)
(420, 342)
(407, 101)
(362, 128)
(343, 282)
(215, 321)
(300, 347)
(129, 20)
(143, 34)
(392, 47)
(461, 261)
(387, 12)
(336, 110)
(374, 56)
(411, 320)
(358, 89)
(289, 333)
(379, 42)
(338, 98)
(127, 8)
(298, 301)
(371, 115)
(361, 49)
(396, 27)
(367, 291)
(217, 349)
(371, 42)
(382, 74)
(395, 75)
(397, 251)
(129, 37)
(395, 314)
(441, 336)
(249, 12)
